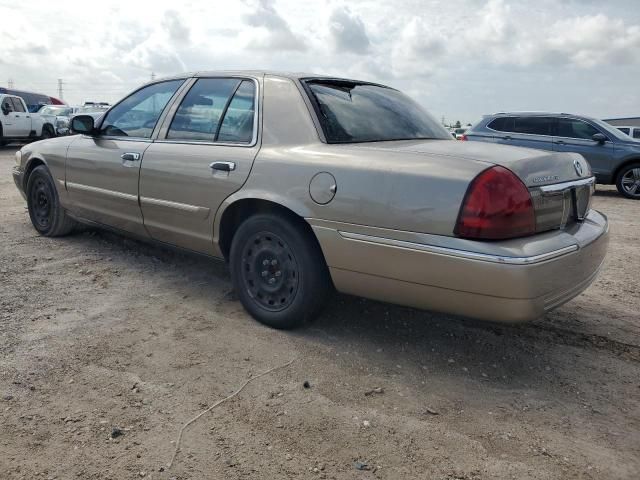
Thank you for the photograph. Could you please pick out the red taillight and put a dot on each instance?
(463, 137)
(497, 206)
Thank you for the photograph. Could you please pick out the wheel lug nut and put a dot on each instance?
(278, 273)
(272, 281)
(265, 262)
(264, 273)
(274, 262)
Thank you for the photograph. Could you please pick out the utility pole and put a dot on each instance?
(60, 88)
(10, 83)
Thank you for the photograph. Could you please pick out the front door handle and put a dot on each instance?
(507, 137)
(130, 157)
(560, 142)
(223, 166)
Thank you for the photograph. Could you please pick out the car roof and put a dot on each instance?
(259, 73)
(540, 114)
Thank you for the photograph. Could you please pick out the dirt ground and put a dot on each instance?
(100, 332)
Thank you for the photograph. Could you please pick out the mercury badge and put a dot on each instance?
(578, 166)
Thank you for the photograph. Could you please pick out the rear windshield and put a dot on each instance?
(352, 112)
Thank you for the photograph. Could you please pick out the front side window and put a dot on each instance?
(351, 112)
(625, 130)
(7, 105)
(137, 115)
(17, 105)
(200, 113)
(572, 128)
(532, 125)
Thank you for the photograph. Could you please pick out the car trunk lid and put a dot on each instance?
(560, 183)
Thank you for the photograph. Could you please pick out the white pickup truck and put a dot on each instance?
(17, 124)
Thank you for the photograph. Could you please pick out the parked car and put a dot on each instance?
(304, 183)
(633, 132)
(59, 116)
(459, 133)
(33, 100)
(613, 156)
(18, 124)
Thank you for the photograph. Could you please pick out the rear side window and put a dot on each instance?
(502, 124)
(572, 128)
(625, 130)
(200, 112)
(237, 123)
(533, 125)
(17, 105)
(636, 133)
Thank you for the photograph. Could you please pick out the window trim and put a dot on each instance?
(166, 122)
(161, 117)
(556, 118)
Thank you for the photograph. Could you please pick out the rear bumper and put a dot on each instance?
(512, 281)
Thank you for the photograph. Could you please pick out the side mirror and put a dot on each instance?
(5, 109)
(599, 137)
(83, 124)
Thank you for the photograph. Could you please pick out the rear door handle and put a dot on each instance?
(130, 157)
(222, 166)
(507, 137)
(560, 142)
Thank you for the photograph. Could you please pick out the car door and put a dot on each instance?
(203, 154)
(11, 121)
(21, 118)
(575, 135)
(526, 131)
(102, 171)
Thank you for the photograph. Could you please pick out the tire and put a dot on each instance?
(628, 181)
(46, 133)
(47, 216)
(278, 271)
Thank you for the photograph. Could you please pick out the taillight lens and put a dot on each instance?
(463, 137)
(497, 206)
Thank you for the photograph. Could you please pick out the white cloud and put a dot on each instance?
(276, 33)
(460, 58)
(348, 32)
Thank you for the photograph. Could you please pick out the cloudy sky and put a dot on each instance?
(459, 58)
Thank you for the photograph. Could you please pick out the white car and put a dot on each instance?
(633, 132)
(18, 124)
(59, 116)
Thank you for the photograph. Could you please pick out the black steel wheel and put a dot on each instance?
(278, 270)
(270, 271)
(47, 216)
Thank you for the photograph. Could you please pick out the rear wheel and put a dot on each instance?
(278, 271)
(47, 216)
(628, 181)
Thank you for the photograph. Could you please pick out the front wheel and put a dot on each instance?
(278, 271)
(46, 133)
(47, 216)
(628, 181)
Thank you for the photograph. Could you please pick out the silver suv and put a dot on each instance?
(614, 157)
